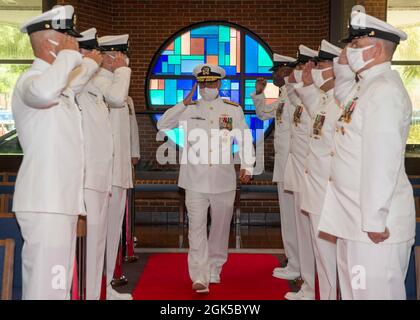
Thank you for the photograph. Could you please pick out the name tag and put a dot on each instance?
(198, 118)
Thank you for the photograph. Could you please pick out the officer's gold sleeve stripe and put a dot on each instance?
(231, 103)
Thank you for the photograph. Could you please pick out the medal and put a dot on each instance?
(297, 115)
(279, 113)
(226, 122)
(318, 124)
(349, 109)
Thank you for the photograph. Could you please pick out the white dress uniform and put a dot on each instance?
(295, 178)
(209, 182)
(98, 166)
(282, 111)
(325, 113)
(115, 87)
(49, 188)
(369, 189)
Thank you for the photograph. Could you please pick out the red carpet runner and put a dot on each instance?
(244, 277)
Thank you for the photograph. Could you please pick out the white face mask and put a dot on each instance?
(355, 58)
(298, 75)
(209, 94)
(55, 43)
(318, 78)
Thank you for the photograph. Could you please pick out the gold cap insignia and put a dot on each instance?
(47, 26)
(206, 71)
(74, 19)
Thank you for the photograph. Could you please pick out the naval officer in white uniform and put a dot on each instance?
(369, 204)
(98, 146)
(113, 79)
(318, 97)
(49, 188)
(295, 175)
(209, 181)
(282, 111)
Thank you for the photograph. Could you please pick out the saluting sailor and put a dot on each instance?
(49, 188)
(295, 176)
(113, 80)
(369, 203)
(282, 111)
(208, 180)
(98, 159)
(318, 97)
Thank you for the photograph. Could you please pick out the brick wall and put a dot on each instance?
(375, 8)
(282, 24)
(92, 13)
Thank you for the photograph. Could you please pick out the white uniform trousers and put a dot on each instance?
(116, 212)
(306, 252)
(288, 228)
(48, 255)
(207, 256)
(372, 272)
(97, 224)
(325, 250)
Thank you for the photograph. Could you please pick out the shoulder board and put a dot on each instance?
(231, 103)
(193, 103)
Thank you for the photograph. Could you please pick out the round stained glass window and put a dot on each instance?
(243, 55)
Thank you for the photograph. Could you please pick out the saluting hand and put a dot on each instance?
(244, 176)
(95, 56)
(307, 74)
(119, 61)
(260, 85)
(188, 98)
(378, 237)
(68, 43)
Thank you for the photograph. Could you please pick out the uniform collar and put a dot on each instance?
(374, 71)
(105, 73)
(204, 102)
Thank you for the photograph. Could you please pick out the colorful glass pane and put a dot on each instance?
(257, 60)
(209, 44)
